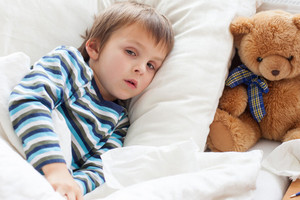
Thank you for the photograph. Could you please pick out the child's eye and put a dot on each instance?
(131, 53)
(151, 66)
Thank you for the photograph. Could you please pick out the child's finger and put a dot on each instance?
(63, 193)
(71, 196)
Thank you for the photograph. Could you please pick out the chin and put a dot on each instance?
(124, 97)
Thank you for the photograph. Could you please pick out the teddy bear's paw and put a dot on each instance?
(220, 139)
(292, 135)
(229, 133)
(211, 146)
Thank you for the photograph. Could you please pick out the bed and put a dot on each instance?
(165, 156)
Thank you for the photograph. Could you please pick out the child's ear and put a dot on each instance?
(92, 47)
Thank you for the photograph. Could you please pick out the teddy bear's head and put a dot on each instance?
(269, 43)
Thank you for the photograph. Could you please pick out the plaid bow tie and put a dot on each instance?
(256, 86)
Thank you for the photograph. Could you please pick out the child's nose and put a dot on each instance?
(139, 68)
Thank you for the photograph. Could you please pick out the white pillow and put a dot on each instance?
(37, 27)
(182, 99)
(12, 69)
(289, 6)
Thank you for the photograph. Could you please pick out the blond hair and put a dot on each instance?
(126, 13)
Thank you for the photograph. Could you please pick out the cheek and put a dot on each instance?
(112, 56)
(147, 80)
(115, 64)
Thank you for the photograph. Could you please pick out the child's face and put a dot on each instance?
(127, 63)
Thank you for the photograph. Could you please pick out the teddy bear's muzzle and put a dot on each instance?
(275, 67)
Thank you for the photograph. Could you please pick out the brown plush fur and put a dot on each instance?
(273, 36)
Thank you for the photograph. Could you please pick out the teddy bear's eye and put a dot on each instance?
(259, 59)
(290, 58)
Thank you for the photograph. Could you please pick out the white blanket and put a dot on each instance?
(19, 180)
(160, 173)
(178, 172)
(285, 160)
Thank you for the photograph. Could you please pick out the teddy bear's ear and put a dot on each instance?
(241, 26)
(296, 20)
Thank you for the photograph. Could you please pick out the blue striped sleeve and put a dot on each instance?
(90, 175)
(53, 79)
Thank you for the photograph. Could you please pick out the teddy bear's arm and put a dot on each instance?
(234, 100)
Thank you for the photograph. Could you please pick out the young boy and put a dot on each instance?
(121, 53)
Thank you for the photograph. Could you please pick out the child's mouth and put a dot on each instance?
(132, 83)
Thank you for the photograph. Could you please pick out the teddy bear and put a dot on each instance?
(261, 98)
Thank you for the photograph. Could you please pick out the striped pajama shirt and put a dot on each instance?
(62, 80)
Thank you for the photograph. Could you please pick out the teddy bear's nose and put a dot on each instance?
(275, 72)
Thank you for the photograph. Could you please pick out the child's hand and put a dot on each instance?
(61, 180)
